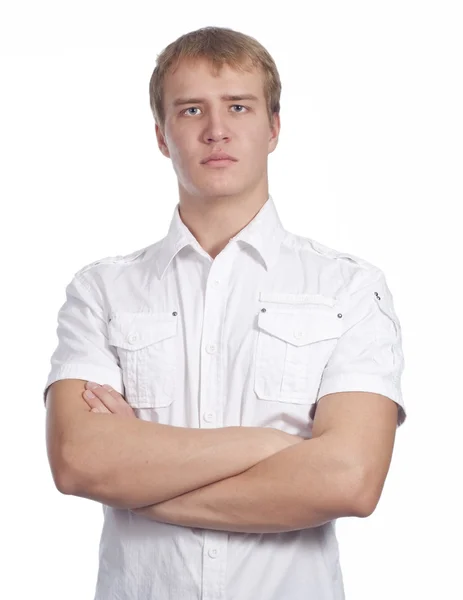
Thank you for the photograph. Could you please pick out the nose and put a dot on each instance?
(215, 129)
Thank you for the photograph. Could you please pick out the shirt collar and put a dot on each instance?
(264, 233)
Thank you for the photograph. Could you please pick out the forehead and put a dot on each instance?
(196, 78)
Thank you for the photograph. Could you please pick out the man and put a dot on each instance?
(231, 390)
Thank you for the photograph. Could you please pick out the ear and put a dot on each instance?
(274, 132)
(161, 141)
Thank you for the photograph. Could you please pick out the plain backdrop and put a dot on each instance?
(369, 162)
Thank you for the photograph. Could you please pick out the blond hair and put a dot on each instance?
(219, 45)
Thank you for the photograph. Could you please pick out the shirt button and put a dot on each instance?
(132, 338)
(209, 416)
(211, 348)
(213, 552)
(215, 283)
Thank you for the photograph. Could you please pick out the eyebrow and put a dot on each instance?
(227, 97)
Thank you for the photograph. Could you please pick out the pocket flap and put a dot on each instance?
(133, 331)
(301, 327)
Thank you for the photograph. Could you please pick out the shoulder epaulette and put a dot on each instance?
(106, 260)
(121, 258)
(332, 253)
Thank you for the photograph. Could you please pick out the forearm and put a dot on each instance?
(130, 463)
(302, 486)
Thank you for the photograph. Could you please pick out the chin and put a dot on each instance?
(218, 189)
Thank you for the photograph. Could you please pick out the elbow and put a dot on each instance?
(59, 472)
(62, 478)
(363, 500)
(365, 508)
(65, 473)
(64, 484)
(361, 508)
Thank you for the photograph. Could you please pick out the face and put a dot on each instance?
(199, 121)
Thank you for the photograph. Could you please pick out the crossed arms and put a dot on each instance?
(236, 478)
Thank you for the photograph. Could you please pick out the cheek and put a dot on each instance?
(180, 151)
(255, 149)
(185, 156)
(255, 140)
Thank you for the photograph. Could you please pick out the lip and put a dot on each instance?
(219, 157)
(223, 162)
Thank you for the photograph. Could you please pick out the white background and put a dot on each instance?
(369, 162)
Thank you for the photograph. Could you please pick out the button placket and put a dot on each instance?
(209, 417)
(212, 391)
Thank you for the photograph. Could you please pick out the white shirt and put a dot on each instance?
(253, 337)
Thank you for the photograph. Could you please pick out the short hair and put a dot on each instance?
(219, 45)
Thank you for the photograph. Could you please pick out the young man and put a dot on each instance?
(208, 353)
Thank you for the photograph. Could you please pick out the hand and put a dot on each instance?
(107, 400)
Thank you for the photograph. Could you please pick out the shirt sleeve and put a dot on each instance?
(83, 351)
(368, 356)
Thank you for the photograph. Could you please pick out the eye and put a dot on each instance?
(190, 108)
(185, 112)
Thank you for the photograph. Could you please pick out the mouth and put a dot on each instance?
(219, 157)
(219, 162)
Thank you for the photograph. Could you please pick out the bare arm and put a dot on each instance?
(129, 463)
(302, 486)
(339, 472)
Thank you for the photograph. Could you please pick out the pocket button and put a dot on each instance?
(298, 334)
(132, 338)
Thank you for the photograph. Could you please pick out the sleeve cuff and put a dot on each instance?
(94, 373)
(361, 382)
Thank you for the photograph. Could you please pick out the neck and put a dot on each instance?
(213, 220)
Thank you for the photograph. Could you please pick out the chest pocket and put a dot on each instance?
(293, 348)
(147, 346)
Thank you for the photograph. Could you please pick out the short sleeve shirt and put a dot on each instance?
(254, 337)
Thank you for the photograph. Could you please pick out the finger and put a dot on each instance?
(119, 397)
(123, 407)
(90, 385)
(102, 394)
(94, 402)
(113, 401)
